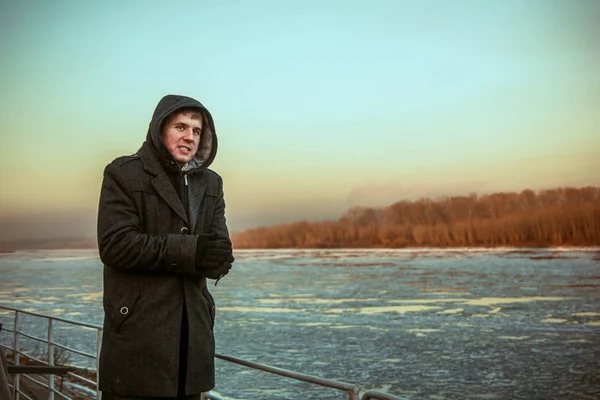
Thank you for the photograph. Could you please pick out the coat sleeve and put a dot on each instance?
(123, 244)
(219, 223)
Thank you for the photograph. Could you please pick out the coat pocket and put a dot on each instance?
(211, 306)
(123, 310)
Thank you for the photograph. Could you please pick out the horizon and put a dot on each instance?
(67, 241)
(319, 107)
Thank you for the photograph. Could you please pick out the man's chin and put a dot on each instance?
(182, 160)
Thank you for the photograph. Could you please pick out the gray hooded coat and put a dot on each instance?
(147, 241)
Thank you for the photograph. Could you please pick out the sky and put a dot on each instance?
(319, 106)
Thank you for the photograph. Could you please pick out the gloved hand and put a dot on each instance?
(219, 272)
(214, 255)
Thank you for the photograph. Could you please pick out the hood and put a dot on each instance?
(207, 149)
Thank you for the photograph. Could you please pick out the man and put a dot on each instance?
(161, 234)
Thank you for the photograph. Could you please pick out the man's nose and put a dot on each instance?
(189, 135)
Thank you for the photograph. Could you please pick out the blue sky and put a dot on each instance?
(319, 105)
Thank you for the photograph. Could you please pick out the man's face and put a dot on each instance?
(181, 136)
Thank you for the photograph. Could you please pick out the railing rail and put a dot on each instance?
(351, 390)
(51, 345)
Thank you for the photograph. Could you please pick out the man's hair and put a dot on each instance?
(190, 112)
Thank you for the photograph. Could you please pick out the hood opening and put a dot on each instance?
(207, 148)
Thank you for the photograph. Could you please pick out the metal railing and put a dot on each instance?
(351, 390)
(17, 352)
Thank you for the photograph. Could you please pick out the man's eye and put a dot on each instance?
(179, 127)
(196, 132)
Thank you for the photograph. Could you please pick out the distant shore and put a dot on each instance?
(517, 249)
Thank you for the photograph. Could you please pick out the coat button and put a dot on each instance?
(184, 230)
(124, 310)
(174, 266)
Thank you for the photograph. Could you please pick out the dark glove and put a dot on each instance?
(217, 273)
(213, 254)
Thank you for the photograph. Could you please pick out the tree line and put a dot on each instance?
(555, 217)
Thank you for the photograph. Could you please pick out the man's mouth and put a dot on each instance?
(184, 148)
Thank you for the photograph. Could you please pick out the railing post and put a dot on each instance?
(98, 347)
(50, 361)
(17, 383)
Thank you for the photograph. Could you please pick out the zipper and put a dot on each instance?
(184, 198)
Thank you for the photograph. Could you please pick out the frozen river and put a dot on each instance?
(418, 323)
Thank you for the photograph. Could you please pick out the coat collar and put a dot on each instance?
(161, 182)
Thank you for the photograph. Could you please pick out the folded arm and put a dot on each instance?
(122, 242)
